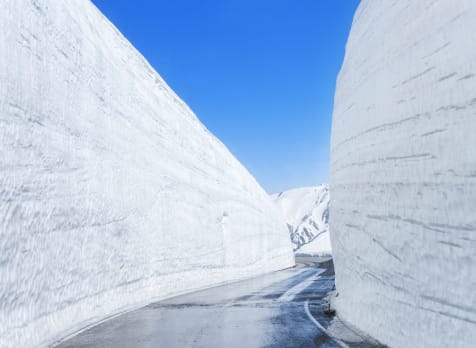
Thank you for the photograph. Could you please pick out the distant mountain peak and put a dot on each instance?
(306, 212)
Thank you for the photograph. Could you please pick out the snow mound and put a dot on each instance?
(403, 173)
(112, 193)
(306, 212)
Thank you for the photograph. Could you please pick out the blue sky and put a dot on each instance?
(260, 74)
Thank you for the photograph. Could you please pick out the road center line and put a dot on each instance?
(291, 293)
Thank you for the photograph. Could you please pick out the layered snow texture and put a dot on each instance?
(112, 193)
(403, 173)
(306, 212)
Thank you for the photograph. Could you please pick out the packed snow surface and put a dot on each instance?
(306, 211)
(112, 193)
(403, 173)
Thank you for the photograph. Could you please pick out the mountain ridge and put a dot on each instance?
(306, 212)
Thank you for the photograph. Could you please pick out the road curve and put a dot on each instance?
(281, 309)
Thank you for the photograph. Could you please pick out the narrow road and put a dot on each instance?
(281, 309)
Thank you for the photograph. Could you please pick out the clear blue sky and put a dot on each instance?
(260, 74)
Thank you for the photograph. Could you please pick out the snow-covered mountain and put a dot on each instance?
(112, 193)
(306, 211)
(403, 173)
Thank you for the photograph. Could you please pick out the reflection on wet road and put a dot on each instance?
(282, 309)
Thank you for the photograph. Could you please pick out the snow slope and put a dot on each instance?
(403, 173)
(306, 212)
(112, 193)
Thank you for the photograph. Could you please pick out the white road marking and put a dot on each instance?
(291, 293)
(306, 309)
(308, 312)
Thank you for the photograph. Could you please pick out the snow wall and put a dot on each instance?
(112, 193)
(403, 173)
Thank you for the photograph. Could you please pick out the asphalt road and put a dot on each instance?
(281, 309)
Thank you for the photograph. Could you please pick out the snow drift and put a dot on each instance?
(306, 212)
(112, 192)
(403, 173)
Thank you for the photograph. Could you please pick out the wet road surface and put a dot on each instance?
(281, 309)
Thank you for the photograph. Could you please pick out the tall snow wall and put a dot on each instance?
(403, 173)
(112, 193)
